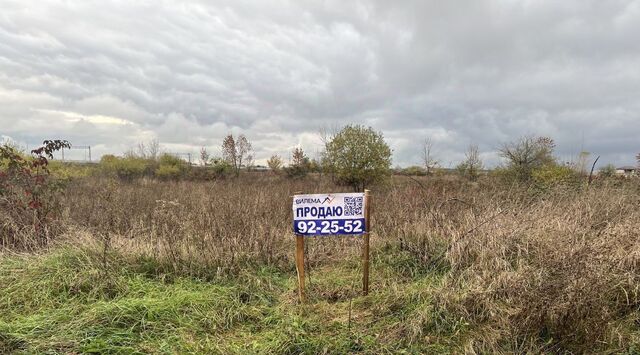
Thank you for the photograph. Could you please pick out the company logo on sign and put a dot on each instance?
(328, 199)
(306, 200)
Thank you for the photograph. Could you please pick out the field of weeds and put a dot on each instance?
(207, 267)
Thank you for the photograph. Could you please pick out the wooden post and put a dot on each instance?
(300, 264)
(365, 248)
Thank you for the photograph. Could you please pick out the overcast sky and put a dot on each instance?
(111, 74)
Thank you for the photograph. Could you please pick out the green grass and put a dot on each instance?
(66, 302)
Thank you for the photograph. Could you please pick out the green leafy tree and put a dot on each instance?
(358, 156)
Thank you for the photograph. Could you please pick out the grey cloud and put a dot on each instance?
(460, 72)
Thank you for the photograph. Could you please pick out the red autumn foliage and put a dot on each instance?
(28, 196)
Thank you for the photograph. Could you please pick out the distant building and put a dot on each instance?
(260, 168)
(627, 171)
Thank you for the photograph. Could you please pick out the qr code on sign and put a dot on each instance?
(353, 206)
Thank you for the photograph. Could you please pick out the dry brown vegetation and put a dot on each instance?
(512, 269)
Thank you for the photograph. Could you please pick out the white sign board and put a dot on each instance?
(329, 214)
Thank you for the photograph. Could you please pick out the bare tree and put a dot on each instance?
(131, 153)
(327, 134)
(527, 154)
(153, 149)
(230, 153)
(237, 151)
(243, 146)
(472, 164)
(150, 150)
(204, 156)
(428, 159)
(141, 150)
(248, 162)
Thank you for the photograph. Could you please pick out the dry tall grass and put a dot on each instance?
(560, 267)
(522, 270)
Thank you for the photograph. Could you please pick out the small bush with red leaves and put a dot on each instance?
(29, 197)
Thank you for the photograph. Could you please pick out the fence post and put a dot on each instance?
(365, 248)
(300, 263)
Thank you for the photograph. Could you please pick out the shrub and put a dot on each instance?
(414, 171)
(295, 171)
(314, 166)
(68, 171)
(358, 156)
(170, 167)
(221, 168)
(553, 174)
(215, 168)
(275, 163)
(201, 173)
(168, 159)
(472, 164)
(168, 172)
(526, 155)
(126, 168)
(29, 197)
(299, 166)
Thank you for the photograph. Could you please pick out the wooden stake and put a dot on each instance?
(300, 263)
(365, 248)
(300, 266)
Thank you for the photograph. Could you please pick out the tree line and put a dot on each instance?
(356, 155)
